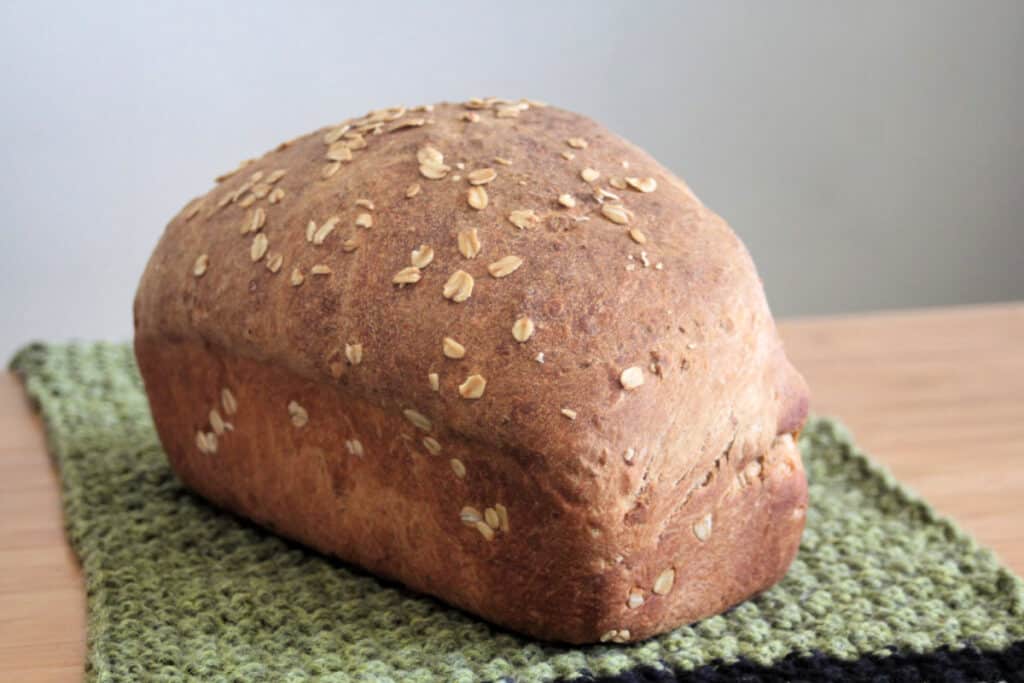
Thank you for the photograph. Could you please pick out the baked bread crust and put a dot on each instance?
(644, 475)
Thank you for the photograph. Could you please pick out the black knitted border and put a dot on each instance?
(968, 665)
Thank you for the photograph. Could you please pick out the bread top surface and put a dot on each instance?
(649, 320)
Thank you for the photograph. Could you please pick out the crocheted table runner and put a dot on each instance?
(177, 590)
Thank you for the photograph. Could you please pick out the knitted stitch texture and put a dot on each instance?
(178, 590)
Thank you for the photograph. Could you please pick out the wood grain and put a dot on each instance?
(938, 396)
(42, 598)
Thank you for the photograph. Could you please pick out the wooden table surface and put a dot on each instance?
(937, 395)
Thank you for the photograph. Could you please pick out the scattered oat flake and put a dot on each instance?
(254, 220)
(507, 112)
(470, 515)
(589, 175)
(452, 348)
(418, 419)
(524, 218)
(643, 184)
(259, 247)
(217, 422)
(200, 265)
(407, 123)
(469, 243)
(298, 414)
(206, 442)
(702, 528)
(663, 584)
(194, 209)
(523, 329)
(481, 176)
(407, 276)
(568, 156)
(637, 236)
(224, 176)
(486, 531)
(491, 517)
(365, 203)
(335, 134)
(228, 401)
(540, 358)
(297, 277)
(503, 161)
(354, 353)
(364, 220)
(422, 256)
(412, 190)
(432, 445)
(617, 183)
(504, 266)
(577, 143)
(435, 381)
(470, 116)
(339, 151)
(473, 387)
(261, 190)
(635, 598)
(276, 195)
(502, 516)
(567, 200)
(355, 141)
(329, 169)
(324, 231)
(320, 269)
(569, 413)
(632, 377)
(458, 468)
(459, 286)
(274, 262)
(430, 156)
(477, 198)
(433, 172)
(616, 213)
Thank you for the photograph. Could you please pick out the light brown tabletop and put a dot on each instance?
(938, 396)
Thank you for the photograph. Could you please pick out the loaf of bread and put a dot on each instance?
(490, 351)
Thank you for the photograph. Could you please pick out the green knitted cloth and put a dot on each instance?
(178, 590)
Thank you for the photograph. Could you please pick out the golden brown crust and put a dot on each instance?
(668, 360)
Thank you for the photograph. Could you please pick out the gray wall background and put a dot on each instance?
(871, 154)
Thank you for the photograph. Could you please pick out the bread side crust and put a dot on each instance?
(392, 507)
